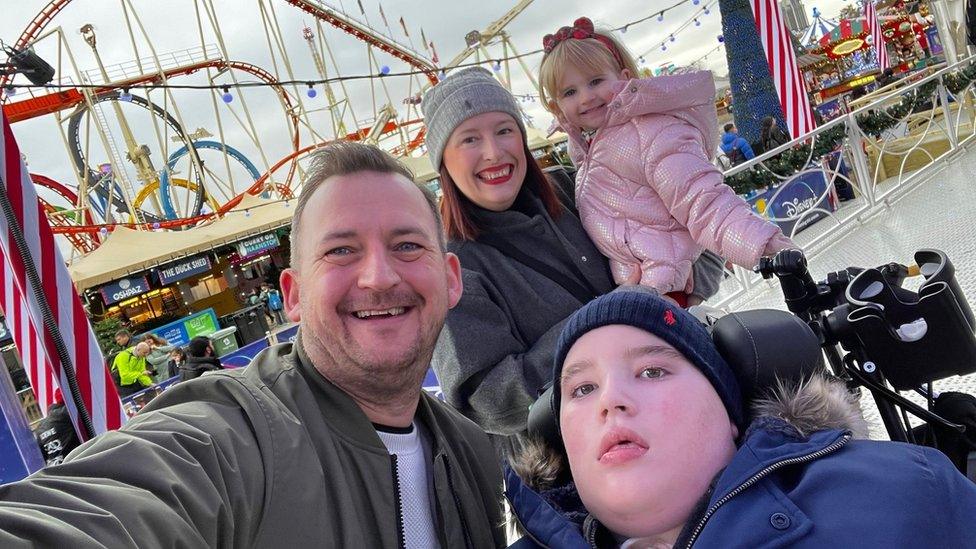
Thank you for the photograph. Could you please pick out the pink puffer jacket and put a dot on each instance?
(647, 193)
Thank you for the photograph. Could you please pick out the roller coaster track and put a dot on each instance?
(350, 26)
(93, 176)
(58, 101)
(312, 7)
(258, 187)
(82, 236)
(82, 242)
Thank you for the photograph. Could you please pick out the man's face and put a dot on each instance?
(121, 340)
(372, 288)
(644, 430)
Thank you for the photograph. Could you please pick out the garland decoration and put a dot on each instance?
(874, 123)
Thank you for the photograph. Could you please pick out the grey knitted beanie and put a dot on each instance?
(463, 94)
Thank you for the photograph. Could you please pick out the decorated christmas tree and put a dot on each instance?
(753, 92)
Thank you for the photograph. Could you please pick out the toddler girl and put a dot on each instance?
(647, 192)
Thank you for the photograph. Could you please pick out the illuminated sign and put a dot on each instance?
(184, 269)
(256, 245)
(124, 289)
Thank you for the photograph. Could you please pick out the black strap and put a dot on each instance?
(584, 293)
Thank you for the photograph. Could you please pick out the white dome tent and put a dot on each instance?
(820, 27)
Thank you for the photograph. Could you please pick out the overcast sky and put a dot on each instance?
(172, 26)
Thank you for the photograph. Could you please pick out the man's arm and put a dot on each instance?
(190, 474)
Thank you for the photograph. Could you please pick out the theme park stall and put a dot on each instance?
(842, 63)
(848, 67)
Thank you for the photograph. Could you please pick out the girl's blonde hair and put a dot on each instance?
(587, 54)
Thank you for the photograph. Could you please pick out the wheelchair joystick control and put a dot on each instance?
(799, 289)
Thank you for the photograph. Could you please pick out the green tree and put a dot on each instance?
(105, 332)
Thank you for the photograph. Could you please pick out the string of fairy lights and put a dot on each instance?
(385, 71)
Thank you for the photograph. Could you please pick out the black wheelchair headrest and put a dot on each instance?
(764, 345)
(760, 346)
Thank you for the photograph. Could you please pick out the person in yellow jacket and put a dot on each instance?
(133, 371)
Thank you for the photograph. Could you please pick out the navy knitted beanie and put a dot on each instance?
(676, 326)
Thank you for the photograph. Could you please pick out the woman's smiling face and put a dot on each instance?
(485, 157)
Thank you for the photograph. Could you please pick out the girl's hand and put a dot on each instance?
(779, 243)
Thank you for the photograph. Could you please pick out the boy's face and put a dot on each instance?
(644, 430)
(584, 95)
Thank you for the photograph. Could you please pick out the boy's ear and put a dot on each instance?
(626, 74)
(552, 106)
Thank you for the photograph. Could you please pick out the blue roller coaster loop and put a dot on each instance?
(168, 209)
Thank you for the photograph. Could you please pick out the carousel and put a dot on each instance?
(839, 62)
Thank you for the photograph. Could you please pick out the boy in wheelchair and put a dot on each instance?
(645, 440)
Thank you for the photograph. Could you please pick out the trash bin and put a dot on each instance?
(224, 340)
(250, 322)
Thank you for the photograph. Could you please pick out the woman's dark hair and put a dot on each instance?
(766, 128)
(456, 209)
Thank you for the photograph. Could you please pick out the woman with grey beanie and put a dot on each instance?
(528, 264)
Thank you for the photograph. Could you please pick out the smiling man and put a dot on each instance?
(326, 442)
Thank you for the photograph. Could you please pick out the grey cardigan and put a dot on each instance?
(495, 352)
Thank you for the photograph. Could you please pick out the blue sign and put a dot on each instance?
(256, 245)
(183, 330)
(124, 289)
(184, 269)
(804, 192)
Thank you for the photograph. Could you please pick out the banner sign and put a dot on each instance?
(257, 244)
(805, 192)
(183, 330)
(124, 289)
(184, 269)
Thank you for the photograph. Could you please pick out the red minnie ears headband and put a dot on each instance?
(582, 29)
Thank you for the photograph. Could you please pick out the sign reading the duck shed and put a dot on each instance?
(184, 269)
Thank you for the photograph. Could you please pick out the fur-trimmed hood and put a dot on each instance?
(816, 404)
(797, 480)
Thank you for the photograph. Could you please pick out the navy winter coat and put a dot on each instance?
(783, 489)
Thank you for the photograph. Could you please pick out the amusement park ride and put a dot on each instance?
(126, 127)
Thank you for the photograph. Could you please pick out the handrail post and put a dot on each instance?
(947, 112)
(860, 162)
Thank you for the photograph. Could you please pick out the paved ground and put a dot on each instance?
(939, 213)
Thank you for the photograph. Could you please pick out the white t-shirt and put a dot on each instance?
(407, 447)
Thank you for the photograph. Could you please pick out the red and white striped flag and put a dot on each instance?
(871, 17)
(783, 67)
(19, 299)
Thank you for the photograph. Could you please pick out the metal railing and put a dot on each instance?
(881, 169)
(147, 65)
